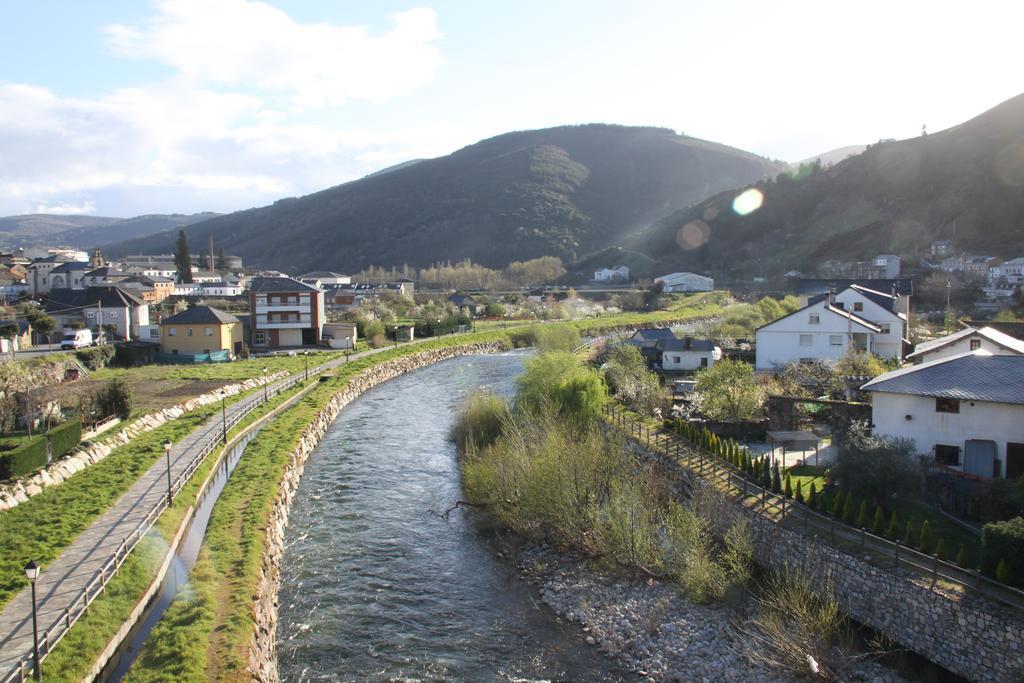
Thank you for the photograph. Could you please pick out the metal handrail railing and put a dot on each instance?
(98, 584)
(710, 466)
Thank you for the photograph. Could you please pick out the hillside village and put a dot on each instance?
(361, 387)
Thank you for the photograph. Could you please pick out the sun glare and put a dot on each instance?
(748, 201)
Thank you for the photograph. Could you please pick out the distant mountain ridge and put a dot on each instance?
(965, 183)
(563, 191)
(85, 232)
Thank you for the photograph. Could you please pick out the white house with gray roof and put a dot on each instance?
(965, 411)
(966, 340)
(819, 331)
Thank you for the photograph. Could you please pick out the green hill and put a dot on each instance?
(965, 183)
(562, 191)
(85, 232)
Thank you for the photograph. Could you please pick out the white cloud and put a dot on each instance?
(66, 209)
(235, 43)
(56, 150)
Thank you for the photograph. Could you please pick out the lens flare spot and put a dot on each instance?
(693, 235)
(748, 201)
(1009, 165)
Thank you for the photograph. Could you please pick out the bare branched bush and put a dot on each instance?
(795, 627)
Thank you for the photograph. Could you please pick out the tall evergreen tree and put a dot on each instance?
(182, 258)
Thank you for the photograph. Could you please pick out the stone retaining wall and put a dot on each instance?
(969, 635)
(263, 648)
(19, 491)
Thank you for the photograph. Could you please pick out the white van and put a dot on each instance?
(76, 339)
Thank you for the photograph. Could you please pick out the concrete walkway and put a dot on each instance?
(60, 583)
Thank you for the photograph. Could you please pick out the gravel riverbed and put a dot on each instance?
(649, 627)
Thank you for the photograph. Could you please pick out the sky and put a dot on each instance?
(127, 107)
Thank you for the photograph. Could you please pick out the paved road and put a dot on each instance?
(60, 583)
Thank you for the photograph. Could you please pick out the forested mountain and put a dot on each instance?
(559, 191)
(965, 183)
(85, 232)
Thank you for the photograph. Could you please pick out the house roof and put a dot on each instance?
(148, 280)
(69, 267)
(107, 271)
(66, 300)
(994, 336)
(686, 344)
(886, 301)
(54, 258)
(1015, 330)
(652, 335)
(973, 376)
(317, 274)
(461, 299)
(805, 285)
(681, 276)
(201, 315)
(843, 313)
(263, 285)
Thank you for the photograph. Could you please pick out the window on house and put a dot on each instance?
(975, 344)
(806, 340)
(814, 319)
(947, 455)
(188, 332)
(259, 338)
(947, 405)
(209, 331)
(172, 331)
(835, 340)
(884, 327)
(858, 305)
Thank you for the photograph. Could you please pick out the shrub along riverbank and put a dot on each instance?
(545, 469)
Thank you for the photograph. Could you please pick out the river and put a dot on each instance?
(377, 586)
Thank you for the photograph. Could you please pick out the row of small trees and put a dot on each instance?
(848, 507)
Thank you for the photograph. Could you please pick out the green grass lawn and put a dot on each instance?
(806, 475)
(161, 386)
(74, 656)
(941, 527)
(41, 527)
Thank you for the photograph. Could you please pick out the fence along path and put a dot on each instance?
(69, 584)
(778, 509)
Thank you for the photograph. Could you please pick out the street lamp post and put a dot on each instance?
(265, 397)
(32, 572)
(305, 363)
(167, 453)
(224, 415)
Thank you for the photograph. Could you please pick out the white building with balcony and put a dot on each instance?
(285, 312)
(819, 331)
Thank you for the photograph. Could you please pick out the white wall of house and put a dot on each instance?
(889, 342)
(796, 337)
(964, 345)
(999, 422)
(690, 360)
(221, 289)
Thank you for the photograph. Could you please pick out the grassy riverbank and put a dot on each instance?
(44, 525)
(75, 655)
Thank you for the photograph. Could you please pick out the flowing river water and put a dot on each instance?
(376, 586)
